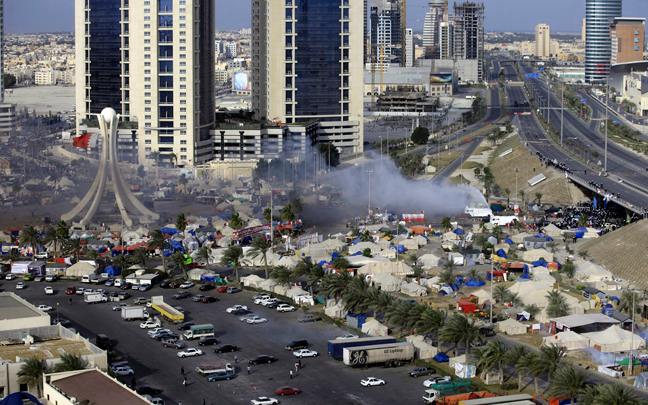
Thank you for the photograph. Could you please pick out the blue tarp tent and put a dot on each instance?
(475, 282)
(208, 278)
(334, 255)
(616, 299)
(401, 249)
(501, 253)
(540, 262)
(113, 270)
(458, 231)
(17, 399)
(549, 239)
(322, 263)
(525, 272)
(438, 234)
(169, 231)
(355, 241)
(441, 357)
(509, 241)
(356, 254)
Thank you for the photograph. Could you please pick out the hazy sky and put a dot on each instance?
(23, 16)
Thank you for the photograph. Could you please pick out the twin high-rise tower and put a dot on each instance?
(599, 14)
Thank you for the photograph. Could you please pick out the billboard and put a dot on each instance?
(440, 77)
(241, 81)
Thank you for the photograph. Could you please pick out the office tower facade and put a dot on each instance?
(446, 40)
(154, 63)
(468, 37)
(307, 64)
(599, 14)
(409, 47)
(386, 29)
(432, 27)
(583, 24)
(8, 118)
(543, 41)
(628, 39)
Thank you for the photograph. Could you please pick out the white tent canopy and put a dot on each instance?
(537, 254)
(335, 309)
(387, 282)
(359, 261)
(586, 271)
(268, 285)
(512, 327)
(79, 269)
(428, 260)
(252, 281)
(361, 246)
(294, 292)
(422, 349)
(413, 290)
(569, 340)
(552, 231)
(615, 339)
(286, 261)
(374, 328)
(482, 296)
(393, 268)
(641, 381)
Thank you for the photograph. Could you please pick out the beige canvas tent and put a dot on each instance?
(393, 268)
(552, 231)
(422, 349)
(512, 327)
(587, 271)
(569, 340)
(252, 280)
(387, 282)
(537, 254)
(374, 328)
(79, 269)
(361, 246)
(335, 309)
(413, 290)
(428, 260)
(268, 284)
(615, 339)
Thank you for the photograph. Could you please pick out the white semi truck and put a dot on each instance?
(388, 355)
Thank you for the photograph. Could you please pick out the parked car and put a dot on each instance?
(221, 375)
(10, 276)
(174, 344)
(347, 336)
(222, 289)
(287, 391)
(232, 290)
(418, 371)
(285, 308)
(20, 285)
(371, 381)
(110, 282)
(62, 321)
(198, 297)
(38, 279)
(44, 308)
(234, 308)
(256, 319)
(123, 370)
(174, 284)
(156, 330)
(180, 295)
(264, 401)
(225, 349)
(260, 295)
(206, 287)
(241, 312)
(150, 324)
(305, 353)
(185, 325)
(208, 300)
(49, 290)
(487, 331)
(145, 287)
(119, 306)
(140, 301)
(260, 300)
(148, 391)
(244, 318)
(264, 358)
(165, 284)
(163, 334)
(436, 380)
(187, 284)
(309, 318)
(208, 341)
(267, 302)
(190, 352)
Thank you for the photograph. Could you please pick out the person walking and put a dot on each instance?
(203, 401)
(248, 369)
(291, 374)
(182, 371)
(296, 367)
(235, 359)
(184, 382)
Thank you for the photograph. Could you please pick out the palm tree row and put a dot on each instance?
(32, 370)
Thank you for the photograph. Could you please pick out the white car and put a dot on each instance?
(44, 308)
(260, 300)
(88, 291)
(371, 381)
(267, 302)
(260, 295)
(118, 307)
(436, 380)
(285, 308)
(150, 324)
(20, 285)
(190, 352)
(235, 307)
(10, 277)
(305, 353)
(264, 401)
(187, 284)
(244, 318)
(80, 291)
(256, 319)
(347, 336)
(123, 370)
(49, 290)
(156, 330)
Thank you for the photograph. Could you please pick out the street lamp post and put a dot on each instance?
(381, 153)
(607, 96)
(369, 172)
(562, 114)
(632, 336)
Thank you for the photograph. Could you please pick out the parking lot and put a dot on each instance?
(321, 379)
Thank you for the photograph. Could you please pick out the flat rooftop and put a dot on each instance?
(97, 388)
(11, 308)
(49, 349)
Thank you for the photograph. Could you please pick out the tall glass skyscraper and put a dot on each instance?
(599, 14)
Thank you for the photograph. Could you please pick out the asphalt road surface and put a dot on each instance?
(322, 379)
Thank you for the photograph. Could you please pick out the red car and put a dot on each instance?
(222, 289)
(70, 290)
(207, 300)
(287, 391)
(173, 284)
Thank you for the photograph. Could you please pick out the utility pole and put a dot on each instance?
(607, 96)
(630, 366)
(562, 114)
(369, 171)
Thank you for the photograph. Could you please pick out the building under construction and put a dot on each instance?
(468, 40)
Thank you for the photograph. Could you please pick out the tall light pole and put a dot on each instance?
(632, 336)
(381, 154)
(607, 96)
(562, 114)
(548, 98)
(369, 172)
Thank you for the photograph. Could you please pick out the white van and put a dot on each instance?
(118, 282)
(88, 278)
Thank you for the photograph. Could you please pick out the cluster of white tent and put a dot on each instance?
(611, 340)
(387, 282)
(295, 293)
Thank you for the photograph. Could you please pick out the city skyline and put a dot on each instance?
(57, 16)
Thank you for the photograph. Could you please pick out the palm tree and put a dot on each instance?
(583, 254)
(553, 246)
(446, 223)
(356, 295)
(513, 357)
(73, 246)
(93, 254)
(625, 303)
(181, 223)
(473, 274)
(418, 272)
(515, 300)
(530, 365)
(204, 255)
(62, 232)
(260, 247)
(480, 239)
(569, 381)
(507, 191)
(446, 278)
(232, 257)
(267, 215)
(432, 319)
(492, 355)
(173, 159)
(366, 237)
(616, 394)
(569, 269)
(235, 221)
(589, 394)
(538, 197)
(397, 313)
(51, 237)
(469, 332)
(31, 373)
(30, 237)
(341, 263)
(139, 256)
(287, 214)
(451, 331)
(282, 274)
(500, 293)
(532, 309)
(179, 261)
(550, 358)
(521, 193)
(414, 314)
(557, 305)
(314, 272)
(497, 232)
(158, 240)
(121, 261)
(381, 301)
(334, 284)
(70, 362)
(450, 266)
